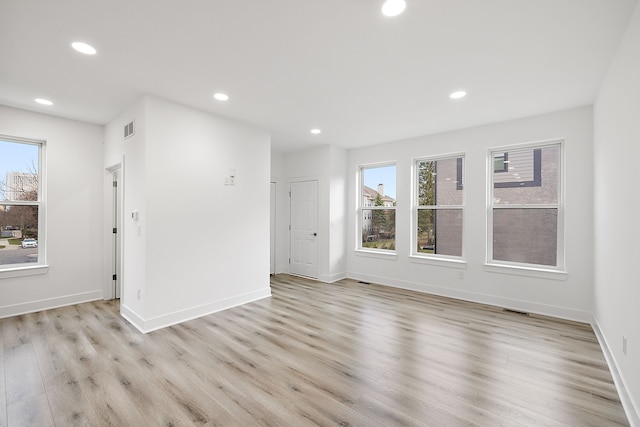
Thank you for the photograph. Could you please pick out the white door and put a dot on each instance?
(115, 245)
(273, 228)
(304, 228)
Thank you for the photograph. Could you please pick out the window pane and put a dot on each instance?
(525, 235)
(500, 162)
(379, 229)
(379, 190)
(532, 177)
(18, 234)
(440, 182)
(18, 171)
(379, 186)
(440, 231)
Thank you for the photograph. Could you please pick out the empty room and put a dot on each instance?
(292, 213)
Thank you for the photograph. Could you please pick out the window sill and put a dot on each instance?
(34, 270)
(441, 262)
(391, 256)
(527, 271)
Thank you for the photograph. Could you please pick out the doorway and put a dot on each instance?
(116, 223)
(304, 228)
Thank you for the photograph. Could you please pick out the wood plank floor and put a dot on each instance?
(347, 354)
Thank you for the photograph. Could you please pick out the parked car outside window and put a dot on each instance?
(29, 243)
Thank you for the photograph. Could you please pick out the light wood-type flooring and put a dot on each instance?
(346, 354)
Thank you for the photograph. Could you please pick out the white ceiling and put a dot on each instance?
(291, 65)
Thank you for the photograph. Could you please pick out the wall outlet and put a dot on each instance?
(460, 274)
(624, 345)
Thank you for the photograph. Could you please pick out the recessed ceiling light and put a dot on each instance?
(316, 131)
(458, 94)
(83, 48)
(393, 7)
(221, 96)
(43, 101)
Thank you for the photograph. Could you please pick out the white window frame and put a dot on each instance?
(436, 259)
(361, 208)
(29, 269)
(556, 272)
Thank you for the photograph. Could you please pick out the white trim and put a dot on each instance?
(31, 270)
(440, 261)
(165, 320)
(519, 305)
(132, 317)
(49, 303)
(523, 146)
(445, 156)
(388, 255)
(633, 413)
(523, 270)
(331, 278)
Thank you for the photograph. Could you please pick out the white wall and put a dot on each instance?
(282, 212)
(132, 185)
(204, 245)
(571, 298)
(337, 256)
(617, 235)
(74, 214)
(326, 164)
(305, 165)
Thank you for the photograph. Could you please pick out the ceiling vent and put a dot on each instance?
(129, 130)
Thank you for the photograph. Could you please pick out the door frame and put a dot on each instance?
(114, 208)
(273, 227)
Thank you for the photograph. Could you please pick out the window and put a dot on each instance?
(377, 208)
(21, 212)
(439, 202)
(501, 162)
(525, 214)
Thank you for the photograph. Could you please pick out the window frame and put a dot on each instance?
(360, 208)
(39, 267)
(529, 269)
(415, 208)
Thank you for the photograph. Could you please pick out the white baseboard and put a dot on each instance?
(519, 305)
(132, 317)
(155, 323)
(633, 413)
(330, 278)
(49, 303)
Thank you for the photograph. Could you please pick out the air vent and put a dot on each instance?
(129, 130)
(520, 313)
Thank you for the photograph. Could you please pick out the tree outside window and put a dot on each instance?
(377, 208)
(20, 201)
(439, 206)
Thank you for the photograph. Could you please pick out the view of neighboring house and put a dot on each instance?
(20, 185)
(369, 196)
(15, 220)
